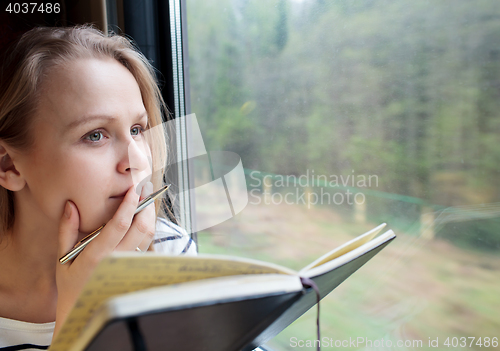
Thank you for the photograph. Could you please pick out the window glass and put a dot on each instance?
(347, 114)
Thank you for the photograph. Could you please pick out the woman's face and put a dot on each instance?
(88, 144)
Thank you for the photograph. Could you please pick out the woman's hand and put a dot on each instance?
(123, 232)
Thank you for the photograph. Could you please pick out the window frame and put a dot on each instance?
(159, 29)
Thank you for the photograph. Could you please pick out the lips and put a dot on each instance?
(119, 195)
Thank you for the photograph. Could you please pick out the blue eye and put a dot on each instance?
(94, 136)
(136, 130)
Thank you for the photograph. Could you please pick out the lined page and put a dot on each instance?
(128, 272)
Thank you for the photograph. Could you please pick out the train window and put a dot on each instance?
(344, 115)
(348, 114)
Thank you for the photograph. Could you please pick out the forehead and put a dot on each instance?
(86, 87)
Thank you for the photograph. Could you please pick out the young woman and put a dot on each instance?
(74, 105)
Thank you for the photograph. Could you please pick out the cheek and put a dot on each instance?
(55, 174)
(75, 175)
(91, 183)
(49, 188)
(72, 176)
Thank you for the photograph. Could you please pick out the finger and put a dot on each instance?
(148, 239)
(68, 228)
(147, 190)
(142, 230)
(116, 228)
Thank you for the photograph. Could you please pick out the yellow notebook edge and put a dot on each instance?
(273, 267)
(345, 248)
(349, 256)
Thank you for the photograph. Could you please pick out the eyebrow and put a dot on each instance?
(89, 119)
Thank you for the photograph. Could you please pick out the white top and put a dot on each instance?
(18, 335)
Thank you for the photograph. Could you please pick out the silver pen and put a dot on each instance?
(85, 241)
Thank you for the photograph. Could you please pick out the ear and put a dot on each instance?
(10, 178)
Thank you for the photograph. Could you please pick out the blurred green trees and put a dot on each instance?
(406, 90)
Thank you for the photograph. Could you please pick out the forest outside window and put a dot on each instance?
(347, 114)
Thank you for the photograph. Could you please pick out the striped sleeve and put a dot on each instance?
(172, 239)
(18, 335)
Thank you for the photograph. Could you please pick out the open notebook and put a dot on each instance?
(155, 302)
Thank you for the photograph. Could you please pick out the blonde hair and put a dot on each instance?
(24, 68)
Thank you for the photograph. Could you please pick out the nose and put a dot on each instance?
(136, 161)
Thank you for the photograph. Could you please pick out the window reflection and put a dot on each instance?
(404, 92)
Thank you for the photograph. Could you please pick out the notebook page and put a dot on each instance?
(127, 272)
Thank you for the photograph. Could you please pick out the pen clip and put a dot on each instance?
(98, 230)
(144, 203)
(155, 194)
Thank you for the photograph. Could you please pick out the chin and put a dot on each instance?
(89, 226)
(87, 229)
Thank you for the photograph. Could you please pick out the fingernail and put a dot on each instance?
(67, 210)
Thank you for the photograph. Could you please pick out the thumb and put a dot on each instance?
(68, 228)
